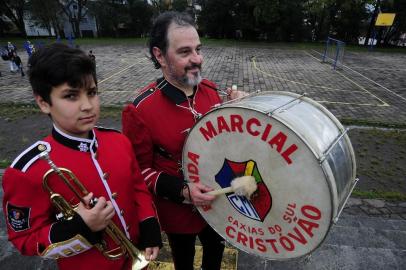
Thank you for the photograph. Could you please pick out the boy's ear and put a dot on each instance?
(159, 56)
(42, 104)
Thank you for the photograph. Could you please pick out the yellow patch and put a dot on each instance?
(164, 261)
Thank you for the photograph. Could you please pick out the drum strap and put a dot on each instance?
(162, 152)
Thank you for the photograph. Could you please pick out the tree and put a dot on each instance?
(161, 6)
(372, 21)
(47, 17)
(391, 34)
(348, 19)
(14, 10)
(110, 15)
(75, 12)
(217, 18)
(140, 15)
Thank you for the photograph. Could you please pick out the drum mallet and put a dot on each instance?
(242, 186)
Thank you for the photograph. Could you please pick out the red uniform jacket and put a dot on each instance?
(157, 123)
(107, 167)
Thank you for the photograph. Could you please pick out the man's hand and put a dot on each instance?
(98, 217)
(151, 253)
(195, 193)
(233, 93)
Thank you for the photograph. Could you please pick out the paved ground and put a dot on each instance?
(369, 87)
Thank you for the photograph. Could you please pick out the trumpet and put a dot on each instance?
(67, 211)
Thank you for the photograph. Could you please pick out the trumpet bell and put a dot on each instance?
(139, 263)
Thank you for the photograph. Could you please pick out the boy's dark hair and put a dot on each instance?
(159, 32)
(57, 64)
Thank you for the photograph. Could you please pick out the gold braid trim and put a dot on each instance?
(67, 248)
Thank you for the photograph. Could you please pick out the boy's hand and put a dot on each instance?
(151, 253)
(98, 217)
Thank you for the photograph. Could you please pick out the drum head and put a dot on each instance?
(290, 213)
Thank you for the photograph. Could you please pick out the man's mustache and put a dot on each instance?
(199, 66)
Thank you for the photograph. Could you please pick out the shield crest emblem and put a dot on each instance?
(260, 204)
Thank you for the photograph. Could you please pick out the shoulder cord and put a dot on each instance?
(191, 108)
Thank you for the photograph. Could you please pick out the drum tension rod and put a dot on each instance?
(327, 152)
(354, 183)
(284, 105)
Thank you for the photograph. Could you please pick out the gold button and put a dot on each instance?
(106, 176)
(42, 147)
(78, 248)
(114, 195)
(67, 252)
(122, 212)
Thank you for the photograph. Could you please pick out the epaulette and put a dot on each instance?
(209, 84)
(143, 95)
(107, 129)
(30, 155)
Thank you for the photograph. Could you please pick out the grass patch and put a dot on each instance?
(379, 194)
(361, 122)
(205, 41)
(12, 111)
(4, 163)
(113, 112)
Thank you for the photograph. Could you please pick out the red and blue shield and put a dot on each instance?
(260, 204)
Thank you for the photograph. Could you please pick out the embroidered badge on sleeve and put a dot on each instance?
(18, 217)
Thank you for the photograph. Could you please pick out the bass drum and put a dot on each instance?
(301, 158)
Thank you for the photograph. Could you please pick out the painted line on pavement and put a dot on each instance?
(365, 77)
(383, 103)
(317, 86)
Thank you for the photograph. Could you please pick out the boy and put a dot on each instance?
(64, 85)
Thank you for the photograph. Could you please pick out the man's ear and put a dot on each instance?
(42, 104)
(159, 56)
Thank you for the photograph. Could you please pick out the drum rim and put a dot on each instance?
(324, 165)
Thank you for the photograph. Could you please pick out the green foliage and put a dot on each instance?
(276, 20)
(4, 163)
(379, 194)
(361, 122)
(12, 112)
(269, 20)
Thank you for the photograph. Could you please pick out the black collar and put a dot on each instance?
(79, 144)
(172, 92)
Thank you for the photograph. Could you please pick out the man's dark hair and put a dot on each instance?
(57, 64)
(159, 32)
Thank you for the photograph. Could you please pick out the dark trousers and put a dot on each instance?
(183, 249)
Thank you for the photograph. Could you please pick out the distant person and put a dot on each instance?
(11, 48)
(92, 56)
(64, 83)
(17, 61)
(29, 48)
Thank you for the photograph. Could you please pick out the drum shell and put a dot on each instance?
(306, 185)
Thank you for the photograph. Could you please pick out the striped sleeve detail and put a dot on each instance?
(150, 178)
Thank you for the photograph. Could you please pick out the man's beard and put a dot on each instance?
(186, 80)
